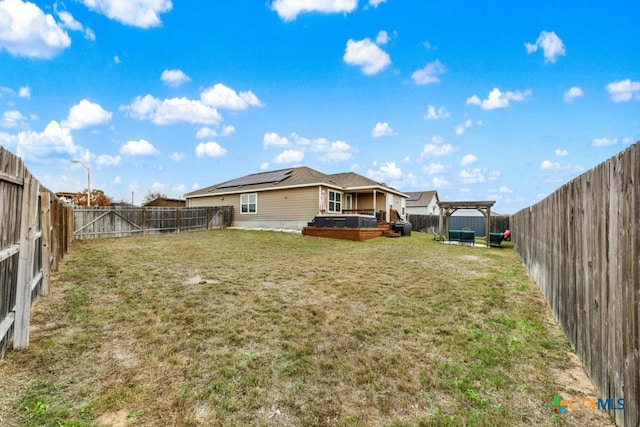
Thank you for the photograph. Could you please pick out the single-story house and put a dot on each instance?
(423, 203)
(290, 198)
(166, 202)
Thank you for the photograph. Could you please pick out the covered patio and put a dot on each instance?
(448, 208)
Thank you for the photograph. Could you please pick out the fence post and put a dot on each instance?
(144, 222)
(178, 219)
(28, 226)
(45, 213)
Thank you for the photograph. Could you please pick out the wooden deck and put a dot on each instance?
(351, 233)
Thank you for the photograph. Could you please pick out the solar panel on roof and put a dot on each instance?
(258, 178)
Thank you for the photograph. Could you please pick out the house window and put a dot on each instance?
(335, 201)
(249, 203)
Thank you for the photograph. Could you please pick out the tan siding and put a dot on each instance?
(298, 204)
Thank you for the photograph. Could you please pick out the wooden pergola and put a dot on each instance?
(448, 208)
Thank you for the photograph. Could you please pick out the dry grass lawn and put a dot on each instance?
(237, 328)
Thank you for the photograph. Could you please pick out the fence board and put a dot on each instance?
(582, 246)
(105, 222)
(29, 250)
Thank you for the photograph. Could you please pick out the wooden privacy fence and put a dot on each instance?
(103, 222)
(582, 246)
(33, 237)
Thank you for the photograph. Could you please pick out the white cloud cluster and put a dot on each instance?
(550, 44)
(478, 176)
(86, 114)
(297, 146)
(387, 171)
(207, 132)
(137, 13)
(108, 160)
(376, 3)
(289, 10)
(11, 119)
(172, 110)
(468, 159)
(561, 152)
(573, 93)
(498, 99)
(25, 30)
(24, 92)
(70, 23)
(174, 78)
(462, 127)
(623, 90)
(221, 96)
(433, 168)
(436, 150)
(210, 149)
(382, 129)
(55, 139)
(382, 38)
(367, 55)
(429, 74)
(604, 142)
(436, 114)
(141, 147)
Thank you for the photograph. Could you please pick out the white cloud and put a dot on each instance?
(141, 147)
(24, 92)
(210, 149)
(382, 129)
(11, 119)
(382, 38)
(468, 159)
(439, 182)
(604, 142)
(172, 110)
(86, 114)
(504, 189)
(55, 139)
(429, 74)
(264, 166)
(289, 156)
(137, 13)
(176, 156)
(623, 90)
(89, 34)
(337, 151)
(436, 114)
(207, 132)
(461, 128)
(25, 30)
(107, 160)
(69, 21)
(573, 93)
(117, 180)
(288, 10)
(472, 176)
(376, 3)
(221, 96)
(437, 139)
(366, 55)
(561, 152)
(550, 43)
(387, 171)
(547, 164)
(116, 59)
(157, 187)
(174, 78)
(433, 168)
(272, 139)
(498, 99)
(436, 150)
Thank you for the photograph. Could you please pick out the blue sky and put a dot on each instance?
(488, 100)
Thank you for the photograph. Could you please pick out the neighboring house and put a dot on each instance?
(290, 198)
(423, 203)
(166, 202)
(66, 196)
